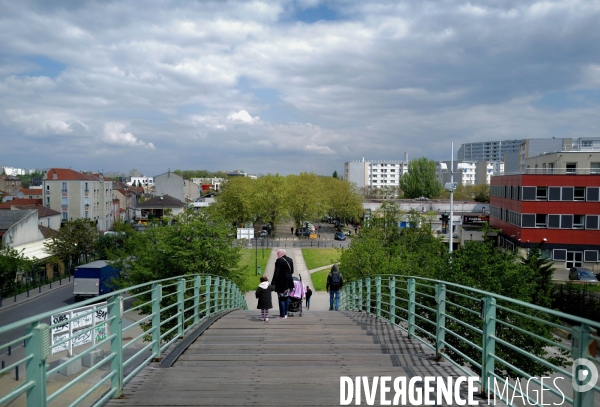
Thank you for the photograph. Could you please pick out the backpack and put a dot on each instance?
(336, 281)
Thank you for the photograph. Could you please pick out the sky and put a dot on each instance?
(288, 86)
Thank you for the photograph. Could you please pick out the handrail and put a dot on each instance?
(494, 341)
(167, 320)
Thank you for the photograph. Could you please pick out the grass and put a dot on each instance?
(315, 258)
(248, 265)
(319, 279)
(589, 287)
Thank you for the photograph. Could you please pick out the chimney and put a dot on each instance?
(54, 175)
(405, 157)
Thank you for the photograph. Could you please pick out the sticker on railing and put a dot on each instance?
(71, 322)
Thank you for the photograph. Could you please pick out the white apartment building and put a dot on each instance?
(376, 173)
(144, 181)
(535, 147)
(469, 172)
(487, 150)
(215, 183)
(77, 195)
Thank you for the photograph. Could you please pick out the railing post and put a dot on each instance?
(207, 289)
(156, 299)
(368, 288)
(378, 296)
(116, 344)
(229, 294)
(581, 343)
(180, 306)
(196, 298)
(223, 282)
(360, 292)
(411, 307)
(488, 346)
(440, 323)
(393, 300)
(216, 299)
(353, 293)
(38, 346)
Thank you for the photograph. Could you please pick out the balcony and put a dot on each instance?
(553, 171)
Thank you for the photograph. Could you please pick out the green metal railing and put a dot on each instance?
(494, 336)
(172, 307)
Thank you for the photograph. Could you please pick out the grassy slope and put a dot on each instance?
(248, 261)
(315, 258)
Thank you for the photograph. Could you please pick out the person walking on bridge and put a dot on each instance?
(283, 282)
(335, 281)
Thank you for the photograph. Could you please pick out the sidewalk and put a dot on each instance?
(319, 300)
(34, 293)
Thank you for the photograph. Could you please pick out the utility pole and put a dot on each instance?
(450, 187)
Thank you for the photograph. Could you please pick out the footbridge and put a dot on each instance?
(400, 340)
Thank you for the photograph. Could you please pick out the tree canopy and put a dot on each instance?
(420, 180)
(74, 241)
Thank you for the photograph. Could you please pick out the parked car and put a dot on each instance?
(263, 233)
(339, 236)
(582, 274)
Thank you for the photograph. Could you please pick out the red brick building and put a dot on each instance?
(559, 212)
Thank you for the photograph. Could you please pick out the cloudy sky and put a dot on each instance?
(287, 86)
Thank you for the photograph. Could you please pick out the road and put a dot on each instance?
(58, 298)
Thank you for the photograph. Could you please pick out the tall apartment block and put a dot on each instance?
(487, 150)
(376, 173)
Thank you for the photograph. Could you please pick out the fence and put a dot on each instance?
(172, 307)
(494, 336)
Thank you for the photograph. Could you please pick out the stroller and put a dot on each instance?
(296, 297)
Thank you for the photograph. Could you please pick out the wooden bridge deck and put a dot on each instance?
(242, 361)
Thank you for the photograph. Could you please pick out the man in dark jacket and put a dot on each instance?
(282, 279)
(335, 281)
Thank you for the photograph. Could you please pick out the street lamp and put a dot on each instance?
(162, 209)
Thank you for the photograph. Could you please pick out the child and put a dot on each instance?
(263, 293)
(308, 295)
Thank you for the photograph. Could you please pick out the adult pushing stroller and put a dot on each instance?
(296, 297)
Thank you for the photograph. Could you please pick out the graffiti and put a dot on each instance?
(77, 323)
(57, 319)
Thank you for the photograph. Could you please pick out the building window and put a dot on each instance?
(542, 194)
(574, 259)
(593, 194)
(554, 193)
(86, 187)
(571, 168)
(567, 193)
(64, 201)
(550, 168)
(48, 201)
(528, 220)
(65, 216)
(591, 221)
(47, 189)
(554, 221)
(566, 221)
(578, 221)
(540, 220)
(529, 193)
(64, 187)
(559, 255)
(595, 168)
(586, 143)
(590, 256)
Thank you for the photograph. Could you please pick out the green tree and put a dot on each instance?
(11, 261)
(420, 180)
(342, 200)
(541, 273)
(236, 200)
(335, 174)
(305, 195)
(74, 241)
(270, 199)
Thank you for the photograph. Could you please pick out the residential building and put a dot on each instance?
(10, 184)
(558, 211)
(191, 191)
(46, 217)
(530, 148)
(128, 198)
(208, 183)
(78, 195)
(570, 162)
(170, 184)
(464, 172)
(18, 227)
(157, 206)
(146, 182)
(375, 173)
(30, 193)
(485, 169)
(20, 201)
(487, 150)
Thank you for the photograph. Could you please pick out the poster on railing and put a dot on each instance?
(68, 324)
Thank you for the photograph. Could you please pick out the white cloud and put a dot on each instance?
(314, 148)
(243, 117)
(114, 135)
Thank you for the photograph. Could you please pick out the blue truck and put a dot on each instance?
(93, 279)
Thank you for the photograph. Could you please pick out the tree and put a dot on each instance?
(305, 195)
(420, 180)
(11, 261)
(270, 199)
(235, 201)
(74, 241)
(342, 200)
(335, 174)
